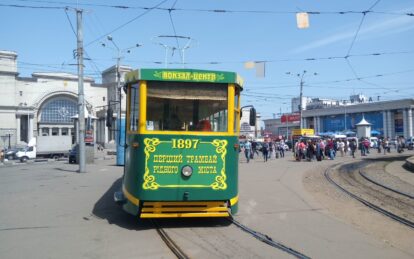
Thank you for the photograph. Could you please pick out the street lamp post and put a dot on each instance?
(28, 121)
(118, 99)
(302, 75)
(120, 52)
(25, 105)
(300, 98)
(9, 134)
(345, 118)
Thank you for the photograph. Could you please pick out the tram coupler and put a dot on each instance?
(119, 198)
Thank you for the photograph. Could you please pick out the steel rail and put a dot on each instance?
(169, 242)
(368, 204)
(384, 186)
(268, 240)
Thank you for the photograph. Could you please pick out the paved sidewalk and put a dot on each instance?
(273, 200)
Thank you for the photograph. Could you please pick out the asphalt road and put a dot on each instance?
(51, 211)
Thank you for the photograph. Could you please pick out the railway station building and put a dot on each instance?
(46, 103)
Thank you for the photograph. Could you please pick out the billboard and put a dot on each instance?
(292, 117)
(303, 132)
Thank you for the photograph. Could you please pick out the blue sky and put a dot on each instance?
(247, 31)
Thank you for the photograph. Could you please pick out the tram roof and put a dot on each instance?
(184, 75)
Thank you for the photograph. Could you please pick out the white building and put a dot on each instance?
(296, 103)
(391, 118)
(44, 103)
(246, 129)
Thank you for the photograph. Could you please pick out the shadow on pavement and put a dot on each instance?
(66, 170)
(106, 208)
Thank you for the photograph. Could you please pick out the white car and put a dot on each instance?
(285, 147)
(409, 143)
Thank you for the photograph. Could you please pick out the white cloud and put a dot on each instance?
(372, 30)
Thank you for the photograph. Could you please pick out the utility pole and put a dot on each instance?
(345, 117)
(301, 95)
(117, 95)
(300, 99)
(81, 97)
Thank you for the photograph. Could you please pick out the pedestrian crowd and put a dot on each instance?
(267, 150)
(319, 149)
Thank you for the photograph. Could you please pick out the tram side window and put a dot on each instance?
(174, 106)
(236, 111)
(134, 107)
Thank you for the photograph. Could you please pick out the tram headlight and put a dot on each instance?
(187, 171)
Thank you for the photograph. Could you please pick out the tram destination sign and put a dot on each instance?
(185, 75)
(165, 159)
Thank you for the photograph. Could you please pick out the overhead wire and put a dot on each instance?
(221, 11)
(288, 59)
(33, 7)
(156, 7)
(126, 23)
(348, 62)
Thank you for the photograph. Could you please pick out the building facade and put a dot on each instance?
(390, 118)
(246, 130)
(282, 127)
(46, 103)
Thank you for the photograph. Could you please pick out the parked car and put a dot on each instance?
(285, 147)
(410, 143)
(393, 142)
(289, 144)
(10, 154)
(73, 155)
(373, 142)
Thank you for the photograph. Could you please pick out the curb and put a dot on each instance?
(409, 164)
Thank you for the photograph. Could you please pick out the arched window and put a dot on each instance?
(58, 110)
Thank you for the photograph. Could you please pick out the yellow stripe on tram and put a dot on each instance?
(130, 197)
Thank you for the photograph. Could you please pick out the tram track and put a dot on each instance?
(366, 177)
(367, 203)
(169, 241)
(179, 253)
(268, 240)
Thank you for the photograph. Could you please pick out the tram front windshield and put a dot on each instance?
(186, 106)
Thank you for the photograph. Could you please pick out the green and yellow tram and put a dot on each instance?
(181, 151)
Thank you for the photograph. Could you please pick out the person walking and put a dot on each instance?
(386, 146)
(271, 149)
(353, 147)
(362, 147)
(346, 147)
(341, 146)
(247, 150)
(367, 146)
(265, 151)
(301, 150)
(282, 149)
(2, 154)
(318, 150)
(330, 147)
(254, 149)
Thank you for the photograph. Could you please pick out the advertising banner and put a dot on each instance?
(293, 117)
